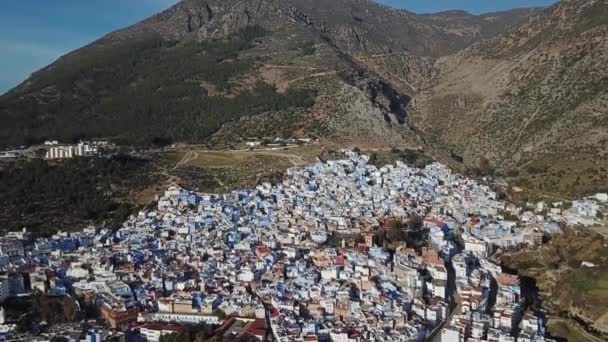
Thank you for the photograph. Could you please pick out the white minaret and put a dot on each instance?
(1, 315)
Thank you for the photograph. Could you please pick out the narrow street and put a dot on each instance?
(453, 299)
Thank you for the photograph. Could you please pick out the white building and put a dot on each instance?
(246, 276)
(475, 246)
(450, 335)
(70, 151)
(602, 197)
(179, 318)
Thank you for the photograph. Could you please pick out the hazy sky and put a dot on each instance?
(473, 6)
(34, 33)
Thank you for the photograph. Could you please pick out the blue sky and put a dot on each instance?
(473, 6)
(34, 33)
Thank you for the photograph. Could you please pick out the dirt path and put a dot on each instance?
(523, 129)
(219, 181)
(319, 74)
(383, 55)
(276, 75)
(294, 159)
(274, 66)
(188, 157)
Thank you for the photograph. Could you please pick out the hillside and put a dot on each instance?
(215, 71)
(567, 289)
(532, 101)
(46, 197)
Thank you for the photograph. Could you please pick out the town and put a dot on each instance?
(339, 251)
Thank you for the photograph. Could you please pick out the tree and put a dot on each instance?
(40, 152)
(221, 315)
(373, 158)
(176, 337)
(485, 167)
(396, 232)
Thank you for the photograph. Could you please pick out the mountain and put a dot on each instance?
(532, 101)
(215, 71)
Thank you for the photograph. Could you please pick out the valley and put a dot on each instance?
(218, 96)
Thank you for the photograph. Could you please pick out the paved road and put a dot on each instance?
(188, 157)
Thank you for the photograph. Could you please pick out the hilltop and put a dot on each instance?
(215, 71)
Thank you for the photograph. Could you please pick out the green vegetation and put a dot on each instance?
(142, 92)
(219, 159)
(591, 282)
(233, 171)
(176, 337)
(45, 196)
(55, 310)
(411, 232)
(199, 333)
(220, 171)
(571, 180)
(565, 285)
(566, 330)
(396, 232)
(308, 48)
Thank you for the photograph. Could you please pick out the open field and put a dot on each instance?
(219, 171)
(297, 156)
(568, 330)
(593, 283)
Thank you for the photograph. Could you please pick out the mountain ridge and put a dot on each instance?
(354, 49)
(347, 71)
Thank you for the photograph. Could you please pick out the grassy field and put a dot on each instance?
(220, 171)
(592, 282)
(297, 156)
(564, 329)
(212, 159)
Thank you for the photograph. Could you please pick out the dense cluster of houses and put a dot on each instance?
(301, 260)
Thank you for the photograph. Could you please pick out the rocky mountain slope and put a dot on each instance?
(216, 71)
(532, 101)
